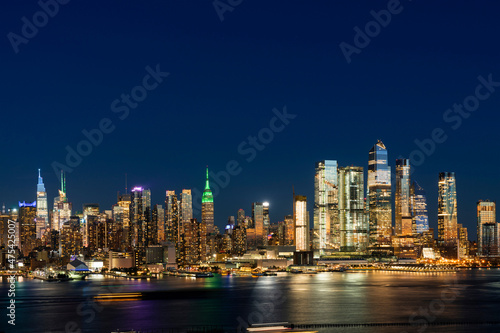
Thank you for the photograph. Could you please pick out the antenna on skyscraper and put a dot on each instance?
(125, 183)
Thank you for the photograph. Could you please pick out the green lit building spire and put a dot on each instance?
(207, 193)
(207, 208)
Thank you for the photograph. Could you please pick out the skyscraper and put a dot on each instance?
(207, 207)
(353, 222)
(27, 226)
(403, 214)
(266, 220)
(379, 195)
(258, 222)
(301, 223)
(486, 220)
(447, 215)
(326, 213)
(241, 217)
(121, 215)
(172, 218)
(62, 207)
(419, 208)
(42, 210)
(158, 224)
(186, 209)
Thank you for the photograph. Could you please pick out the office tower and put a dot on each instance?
(172, 218)
(258, 222)
(326, 213)
(489, 240)
(379, 196)
(88, 227)
(62, 207)
(354, 228)
(239, 240)
(158, 233)
(42, 210)
(207, 207)
(419, 209)
(447, 215)
(70, 239)
(289, 230)
(241, 217)
(230, 224)
(463, 241)
(404, 220)
(140, 218)
(486, 215)
(27, 226)
(194, 243)
(266, 220)
(121, 215)
(301, 223)
(186, 208)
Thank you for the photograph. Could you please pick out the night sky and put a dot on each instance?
(226, 77)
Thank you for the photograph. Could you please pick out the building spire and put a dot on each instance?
(40, 186)
(207, 185)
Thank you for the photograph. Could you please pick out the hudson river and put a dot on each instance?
(461, 301)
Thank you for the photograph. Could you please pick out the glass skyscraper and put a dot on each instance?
(258, 222)
(447, 214)
(379, 195)
(404, 221)
(419, 208)
(353, 223)
(301, 223)
(326, 213)
(486, 220)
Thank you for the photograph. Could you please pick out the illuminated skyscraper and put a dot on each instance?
(42, 210)
(486, 215)
(258, 222)
(27, 226)
(121, 215)
(379, 195)
(186, 209)
(403, 214)
(207, 207)
(62, 207)
(326, 206)
(353, 220)
(241, 217)
(419, 208)
(301, 223)
(172, 218)
(193, 243)
(289, 230)
(447, 215)
(158, 225)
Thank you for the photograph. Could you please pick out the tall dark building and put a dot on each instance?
(27, 226)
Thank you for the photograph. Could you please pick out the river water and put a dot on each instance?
(423, 300)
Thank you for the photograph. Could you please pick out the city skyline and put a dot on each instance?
(224, 81)
(208, 198)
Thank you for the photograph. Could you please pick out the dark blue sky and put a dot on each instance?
(225, 79)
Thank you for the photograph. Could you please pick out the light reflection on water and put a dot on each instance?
(364, 297)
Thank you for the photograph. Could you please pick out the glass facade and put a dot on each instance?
(326, 213)
(403, 214)
(486, 214)
(419, 208)
(301, 223)
(379, 195)
(354, 227)
(42, 210)
(447, 214)
(258, 222)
